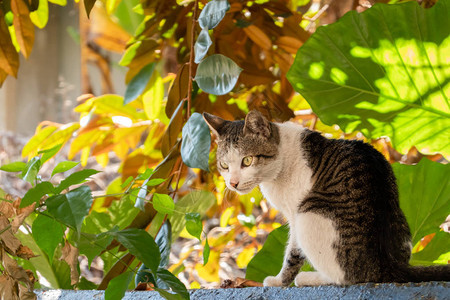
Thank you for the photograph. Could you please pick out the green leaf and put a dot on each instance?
(17, 166)
(269, 260)
(155, 182)
(202, 45)
(127, 182)
(141, 245)
(118, 286)
(31, 170)
(88, 5)
(194, 224)
(85, 284)
(47, 233)
(49, 153)
(39, 17)
(64, 166)
(195, 201)
(173, 283)
(196, 143)
(138, 83)
(35, 194)
(217, 74)
(163, 203)
(213, 13)
(377, 73)
(75, 178)
(206, 251)
(424, 191)
(438, 246)
(168, 296)
(92, 245)
(71, 208)
(164, 241)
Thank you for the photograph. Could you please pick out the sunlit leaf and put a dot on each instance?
(39, 17)
(23, 26)
(377, 73)
(17, 166)
(152, 98)
(64, 166)
(47, 233)
(118, 286)
(217, 74)
(138, 83)
(196, 143)
(438, 246)
(178, 90)
(424, 191)
(32, 146)
(59, 2)
(202, 45)
(29, 173)
(163, 203)
(49, 153)
(172, 132)
(71, 208)
(213, 13)
(194, 224)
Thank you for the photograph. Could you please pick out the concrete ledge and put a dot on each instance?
(427, 290)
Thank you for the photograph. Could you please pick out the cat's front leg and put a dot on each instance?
(293, 260)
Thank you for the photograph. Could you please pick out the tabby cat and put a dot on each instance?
(339, 197)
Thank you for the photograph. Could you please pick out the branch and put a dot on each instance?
(191, 60)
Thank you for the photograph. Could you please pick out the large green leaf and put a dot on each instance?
(196, 143)
(141, 245)
(92, 245)
(424, 196)
(47, 233)
(118, 286)
(269, 260)
(385, 72)
(71, 208)
(75, 178)
(35, 194)
(217, 74)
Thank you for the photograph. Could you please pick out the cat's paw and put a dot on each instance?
(272, 281)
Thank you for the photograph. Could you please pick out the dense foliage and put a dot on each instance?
(390, 81)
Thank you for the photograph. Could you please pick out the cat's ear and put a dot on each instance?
(255, 123)
(215, 123)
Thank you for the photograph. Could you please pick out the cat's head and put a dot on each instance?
(247, 150)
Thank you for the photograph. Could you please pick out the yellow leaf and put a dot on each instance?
(85, 155)
(23, 26)
(32, 147)
(210, 272)
(195, 285)
(245, 256)
(39, 17)
(226, 216)
(85, 139)
(153, 96)
(102, 159)
(60, 136)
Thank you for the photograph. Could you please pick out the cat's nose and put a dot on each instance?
(234, 183)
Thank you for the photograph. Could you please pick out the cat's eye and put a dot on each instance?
(247, 161)
(224, 165)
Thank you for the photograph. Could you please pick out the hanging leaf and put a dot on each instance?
(194, 224)
(141, 245)
(71, 208)
(173, 283)
(9, 58)
(269, 260)
(49, 153)
(173, 130)
(424, 191)
(138, 83)
(213, 13)
(178, 90)
(88, 5)
(153, 97)
(23, 26)
(370, 72)
(217, 74)
(202, 45)
(196, 143)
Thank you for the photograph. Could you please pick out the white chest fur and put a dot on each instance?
(293, 180)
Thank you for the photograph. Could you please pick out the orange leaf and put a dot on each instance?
(9, 58)
(289, 44)
(178, 90)
(23, 26)
(258, 37)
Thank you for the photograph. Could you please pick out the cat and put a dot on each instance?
(339, 197)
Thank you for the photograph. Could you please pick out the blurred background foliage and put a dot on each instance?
(142, 129)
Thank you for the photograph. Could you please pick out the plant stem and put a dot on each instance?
(191, 60)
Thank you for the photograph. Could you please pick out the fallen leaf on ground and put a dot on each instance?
(239, 283)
